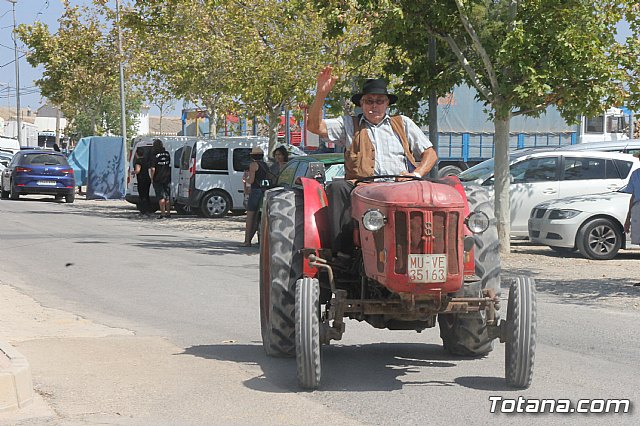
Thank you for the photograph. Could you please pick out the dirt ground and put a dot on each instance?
(570, 278)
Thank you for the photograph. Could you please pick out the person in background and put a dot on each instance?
(141, 169)
(281, 156)
(632, 223)
(160, 169)
(56, 148)
(257, 173)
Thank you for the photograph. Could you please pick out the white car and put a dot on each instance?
(592, 224)
(538, 176)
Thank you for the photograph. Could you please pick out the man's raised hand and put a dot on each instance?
(326, 81)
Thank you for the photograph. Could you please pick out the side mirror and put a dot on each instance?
(317, 172)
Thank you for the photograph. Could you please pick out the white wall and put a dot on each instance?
(143, 122)
(29, 133)
(48, 124)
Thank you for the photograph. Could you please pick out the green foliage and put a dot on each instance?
(80, 73)
(521, 55)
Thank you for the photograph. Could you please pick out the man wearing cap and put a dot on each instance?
(375, 144)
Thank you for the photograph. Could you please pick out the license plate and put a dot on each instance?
(46, 183)
(427, 268)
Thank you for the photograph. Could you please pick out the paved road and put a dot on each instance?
(184, 346)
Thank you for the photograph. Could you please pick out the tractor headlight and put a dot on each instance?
(373, 220)
(563, 214)
(477, 222)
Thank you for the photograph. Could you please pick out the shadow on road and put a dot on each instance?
(579, 291)
(200, 246)
(354, 368)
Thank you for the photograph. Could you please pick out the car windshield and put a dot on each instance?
(44, 159)
(481, 171)
(484, 170)
(334, 171)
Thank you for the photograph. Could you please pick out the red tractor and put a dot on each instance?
(425, 252)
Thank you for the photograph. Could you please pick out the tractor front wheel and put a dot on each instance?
(520, 338)
(308, 332)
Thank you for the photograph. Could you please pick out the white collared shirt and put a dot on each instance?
(390, 158)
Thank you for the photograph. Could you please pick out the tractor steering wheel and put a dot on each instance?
(397, 178)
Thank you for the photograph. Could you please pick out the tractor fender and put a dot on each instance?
(316, 220)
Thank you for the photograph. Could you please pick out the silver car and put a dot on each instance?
(591, 224)
(543, 176)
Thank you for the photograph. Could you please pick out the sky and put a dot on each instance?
(48, 11)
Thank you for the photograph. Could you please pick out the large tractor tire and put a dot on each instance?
(520, 349)
(308, 332)
(282, 236)
(466, 334)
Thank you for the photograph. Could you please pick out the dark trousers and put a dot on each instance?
(144, 203)
(340, 221)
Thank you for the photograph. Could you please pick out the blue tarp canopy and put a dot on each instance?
(98, 162)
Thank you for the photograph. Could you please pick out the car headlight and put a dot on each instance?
(563, 214)
(477, 222)
(373, 220)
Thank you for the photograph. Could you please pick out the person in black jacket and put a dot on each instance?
(141, 169)
(160, 169)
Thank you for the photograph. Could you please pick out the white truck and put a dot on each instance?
(610, 126)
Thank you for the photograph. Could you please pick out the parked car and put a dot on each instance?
(326, 168)
(38, 172)
(5, 159)
(323, 167)
(629, 146)
(211, 174)
(538, 176)
(174, 145)
(591, 224)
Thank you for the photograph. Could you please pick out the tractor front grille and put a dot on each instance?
(426, 232)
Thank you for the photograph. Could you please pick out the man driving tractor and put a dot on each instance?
(375, 144)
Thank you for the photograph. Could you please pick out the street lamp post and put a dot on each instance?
(123, 116)
(15, 51)
(122, 96)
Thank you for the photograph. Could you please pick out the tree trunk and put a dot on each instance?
(213, 122)
(502, 181)
(274, 121)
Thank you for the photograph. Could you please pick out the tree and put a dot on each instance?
(520, 56)
(181, 52)
(80, 73)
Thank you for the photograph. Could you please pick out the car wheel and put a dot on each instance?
(3, 194)
(599, 239)
(215, 204)
(14, 194)
(70, 198)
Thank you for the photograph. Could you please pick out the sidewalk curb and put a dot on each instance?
(16, 386)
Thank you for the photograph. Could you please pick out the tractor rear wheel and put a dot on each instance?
(308, 332)
(282, 236)
(520, 347)
(466, 334)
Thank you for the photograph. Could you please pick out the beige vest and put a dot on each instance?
(360, 158)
